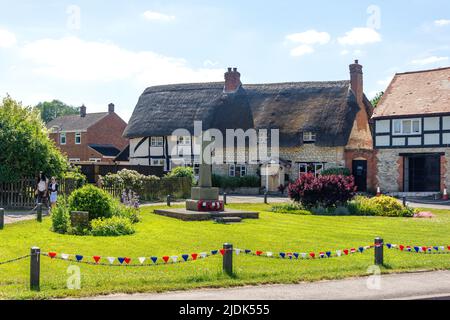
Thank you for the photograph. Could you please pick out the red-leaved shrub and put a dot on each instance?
(327, 191)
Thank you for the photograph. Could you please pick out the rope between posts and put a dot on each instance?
(15, 259)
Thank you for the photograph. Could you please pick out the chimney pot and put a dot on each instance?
(111, 107)
(232, 80)
(83, 111)
(229, 69)
(234, 69)
(357, 81)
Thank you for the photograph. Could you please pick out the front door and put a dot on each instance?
(423, 173)
(359, 171)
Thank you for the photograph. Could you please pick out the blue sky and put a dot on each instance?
(96, 52)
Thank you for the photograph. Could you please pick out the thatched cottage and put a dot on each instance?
(321, 125)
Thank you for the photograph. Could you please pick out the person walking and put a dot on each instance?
(53, 188)
(41, 188)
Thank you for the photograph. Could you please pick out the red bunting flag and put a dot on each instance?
(258, 253)
(165, 258)
(52, 254)
(346, 252)
(127, 260)
(222, 251)
(96, 259)
(312, 255)
(448, 247)
(424, 249)
(352, 250)
(194, 256)
(401, 247)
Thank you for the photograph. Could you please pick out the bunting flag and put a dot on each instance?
(96, 259)
(237, 251)
(408, 248)
(282, 255)
(185, 257)
(194, 256)
(174, 259)
(111, 260)
(338, 253)
(401, 247)
(79, 257)
(154, 259)
(52, 254)
(248, 251)
(289, 255)
(361, 249)
(389, 245)
(352, 250)
(258, 253)
(303, 255)
(222, 251)
(296, 255)
(322, 254)
(141, 260)
(165, 258)
(312, 255)
(417, 249)
(269, 254)
(346, 252)
(203, 255)
(328, 254)
(214, 252)
(121, 260)
(64, 256)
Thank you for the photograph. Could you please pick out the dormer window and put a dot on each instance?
(309, 137)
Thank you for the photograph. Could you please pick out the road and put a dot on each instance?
(420, 285)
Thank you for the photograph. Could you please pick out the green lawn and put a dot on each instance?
(158, 236)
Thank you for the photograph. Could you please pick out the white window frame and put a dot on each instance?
(303, 168)
(95, 160)
(157, 141)
(234, 168)
(184, 140)
(309, 136)
(78, 136)
(157, 162)
(61, 136)
(402, 132)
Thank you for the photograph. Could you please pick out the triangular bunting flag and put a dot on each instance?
(52, 254)
(388, 245)
(442, 248)
(141, 259)
(312, 255)
(185, 257)
(222, 251)
(64, 256)
(303, 255)
(174, 258)
(346, 252)
(322, 254)
(166, 258)
(338, 253)
(258, 253)
(436, 248)
(328, 254)
(282, 255)
(248, 251)
(408, 248)
(296, 255)
(154, 259)
(121, 259)
(361, 249)
(417, 249)
(237, 251)
(194, 256)
(269, 254)
(127, 260)
(111, 259)
(79, 257)
(96, 258)
(213, 252)
(401, 247)
(203, 255)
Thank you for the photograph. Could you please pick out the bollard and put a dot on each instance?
(224, 198)
(379, 251)
(168, 200)
(2, 218)
(35, 268)
(404, 201)
(39, 212)
(265, 197)
(228, 259)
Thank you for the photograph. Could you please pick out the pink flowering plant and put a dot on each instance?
(327, 191)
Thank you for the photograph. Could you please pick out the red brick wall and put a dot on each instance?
(370, 156)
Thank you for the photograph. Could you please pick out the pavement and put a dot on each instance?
(21, 215)
(433, 285)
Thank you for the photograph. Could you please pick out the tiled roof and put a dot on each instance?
(75, 122)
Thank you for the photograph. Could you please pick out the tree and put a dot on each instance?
(376, 99)
(25, 148)
(50, 110)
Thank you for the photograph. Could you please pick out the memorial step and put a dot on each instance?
(228, 219)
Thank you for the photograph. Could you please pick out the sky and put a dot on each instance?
(96, 52)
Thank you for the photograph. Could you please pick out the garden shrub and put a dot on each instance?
(182, 172)
(326, 191)
(89, 198)
(336, 172)
(115, 226)
(291, 208)
(130, 212)
(60, 217)
(76, 177)
(127, 179)
(379, 206)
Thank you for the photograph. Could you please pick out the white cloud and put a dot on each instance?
(301, 50)
(429, 60)
(7, 39)
(74, 59)
(309, 37)
(442, 22)
(157, 16)
(385, 82)
(360, 36)
(210, 63)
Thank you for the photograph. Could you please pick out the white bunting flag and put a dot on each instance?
(238, 251)
(303, 255)
(269, 254)
(64, 256)
(174, 258)
(203, 254)
(442, 248)
(141, 259)
(111, 259)
(338, 253)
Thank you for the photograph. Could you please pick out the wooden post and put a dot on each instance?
(168, 200)
(2, 218)
(228, 258)
(39, 212)
(35, 268)
(404, 201)
(265, 197)
(224, 198)
(379, 251)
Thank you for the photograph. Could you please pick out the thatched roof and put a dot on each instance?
(327, 108)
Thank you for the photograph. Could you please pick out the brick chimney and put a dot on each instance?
(83, 111)
(356, 80)
(232, 80)
(111, 108)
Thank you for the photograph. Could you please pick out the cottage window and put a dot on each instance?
(407, 126)
(314, 168)
(157, 162)
(157, 141)
(184, 140)
(74, 159)
(309, 136)
(237, 170)
(78, 138)
(62, 138)
(95, 160)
